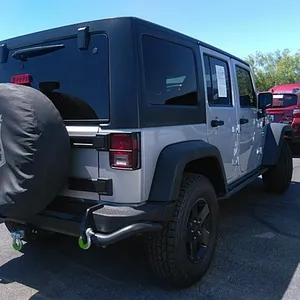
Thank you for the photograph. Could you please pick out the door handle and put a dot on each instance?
(243, 121)
(216, 123)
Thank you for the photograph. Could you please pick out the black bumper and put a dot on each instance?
(111, 223)
(107, 218)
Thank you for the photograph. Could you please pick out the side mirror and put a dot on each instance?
(265, 100)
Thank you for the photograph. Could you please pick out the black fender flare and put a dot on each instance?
(172, 162)
(275, 133)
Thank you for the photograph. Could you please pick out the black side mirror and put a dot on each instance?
(265, 100)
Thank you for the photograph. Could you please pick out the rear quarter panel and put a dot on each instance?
(134, 186)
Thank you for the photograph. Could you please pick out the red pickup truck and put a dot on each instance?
(286, 107)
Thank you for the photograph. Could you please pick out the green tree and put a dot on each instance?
(273, 68)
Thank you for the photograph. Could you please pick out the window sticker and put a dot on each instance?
(221, 80)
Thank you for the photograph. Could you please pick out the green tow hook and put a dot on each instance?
(85, 245)
(17, 245)
(82, 244)
(17, 240)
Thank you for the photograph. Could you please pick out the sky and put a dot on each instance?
(240, 27)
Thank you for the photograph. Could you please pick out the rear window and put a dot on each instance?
(77, 81)
(284, 100)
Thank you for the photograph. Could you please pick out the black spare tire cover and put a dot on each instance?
(34, 151)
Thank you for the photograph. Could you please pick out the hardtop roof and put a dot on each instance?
(96, 25)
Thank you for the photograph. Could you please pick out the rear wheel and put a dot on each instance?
(181, 253)
(278, 178)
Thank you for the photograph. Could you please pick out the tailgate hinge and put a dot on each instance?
(83, 38)
(3, 53)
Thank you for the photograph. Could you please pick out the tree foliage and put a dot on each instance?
(273, 68)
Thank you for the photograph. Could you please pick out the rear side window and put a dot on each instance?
(76, 81)
(217, 81)
(246, 90)
(169, 73)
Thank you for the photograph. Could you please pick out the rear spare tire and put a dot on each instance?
(34, 151)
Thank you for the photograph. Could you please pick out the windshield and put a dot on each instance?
(284, 100)
(75, 80)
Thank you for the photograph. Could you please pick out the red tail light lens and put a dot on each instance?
(125, 151)
(23, 79)
(296, 113)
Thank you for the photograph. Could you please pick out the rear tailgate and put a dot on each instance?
(283, 106)
(77, 82)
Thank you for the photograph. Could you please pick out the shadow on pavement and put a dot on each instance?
(256, 257)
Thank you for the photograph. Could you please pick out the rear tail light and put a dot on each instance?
(124, 151)
(296, 113)
(23, 79)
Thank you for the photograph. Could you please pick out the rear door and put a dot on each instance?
(221, 109)
(77, 82)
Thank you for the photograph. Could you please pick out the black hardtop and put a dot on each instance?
(119, 101)
(184, 36)
(103, 25)
(66, 31)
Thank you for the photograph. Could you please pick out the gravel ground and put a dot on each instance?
(257, 258)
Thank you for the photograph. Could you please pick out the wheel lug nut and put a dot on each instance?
(195, 238)
(195, 221)
(199, 222)
(199, 232)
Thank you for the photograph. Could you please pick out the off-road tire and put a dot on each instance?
(30, 234)
(278, 178)
(167, 248)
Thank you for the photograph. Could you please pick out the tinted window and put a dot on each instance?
(217, 81)
(76, 81)
(170, 73)
(246, 90)
(284, 100)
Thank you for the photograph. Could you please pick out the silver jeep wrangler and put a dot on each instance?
(119, 127)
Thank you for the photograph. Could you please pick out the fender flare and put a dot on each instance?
(172, 162)
(275, 133)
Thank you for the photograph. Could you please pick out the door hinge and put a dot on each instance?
(259, 151)
(236, 161)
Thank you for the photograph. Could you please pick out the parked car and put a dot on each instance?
(120, 127)
(285, 88)
(286, 108)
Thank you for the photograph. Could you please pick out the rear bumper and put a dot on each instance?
(104, 224)
(112, 218)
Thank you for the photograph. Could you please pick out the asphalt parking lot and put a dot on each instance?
(257, 258)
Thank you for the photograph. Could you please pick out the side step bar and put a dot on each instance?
(241, 183)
